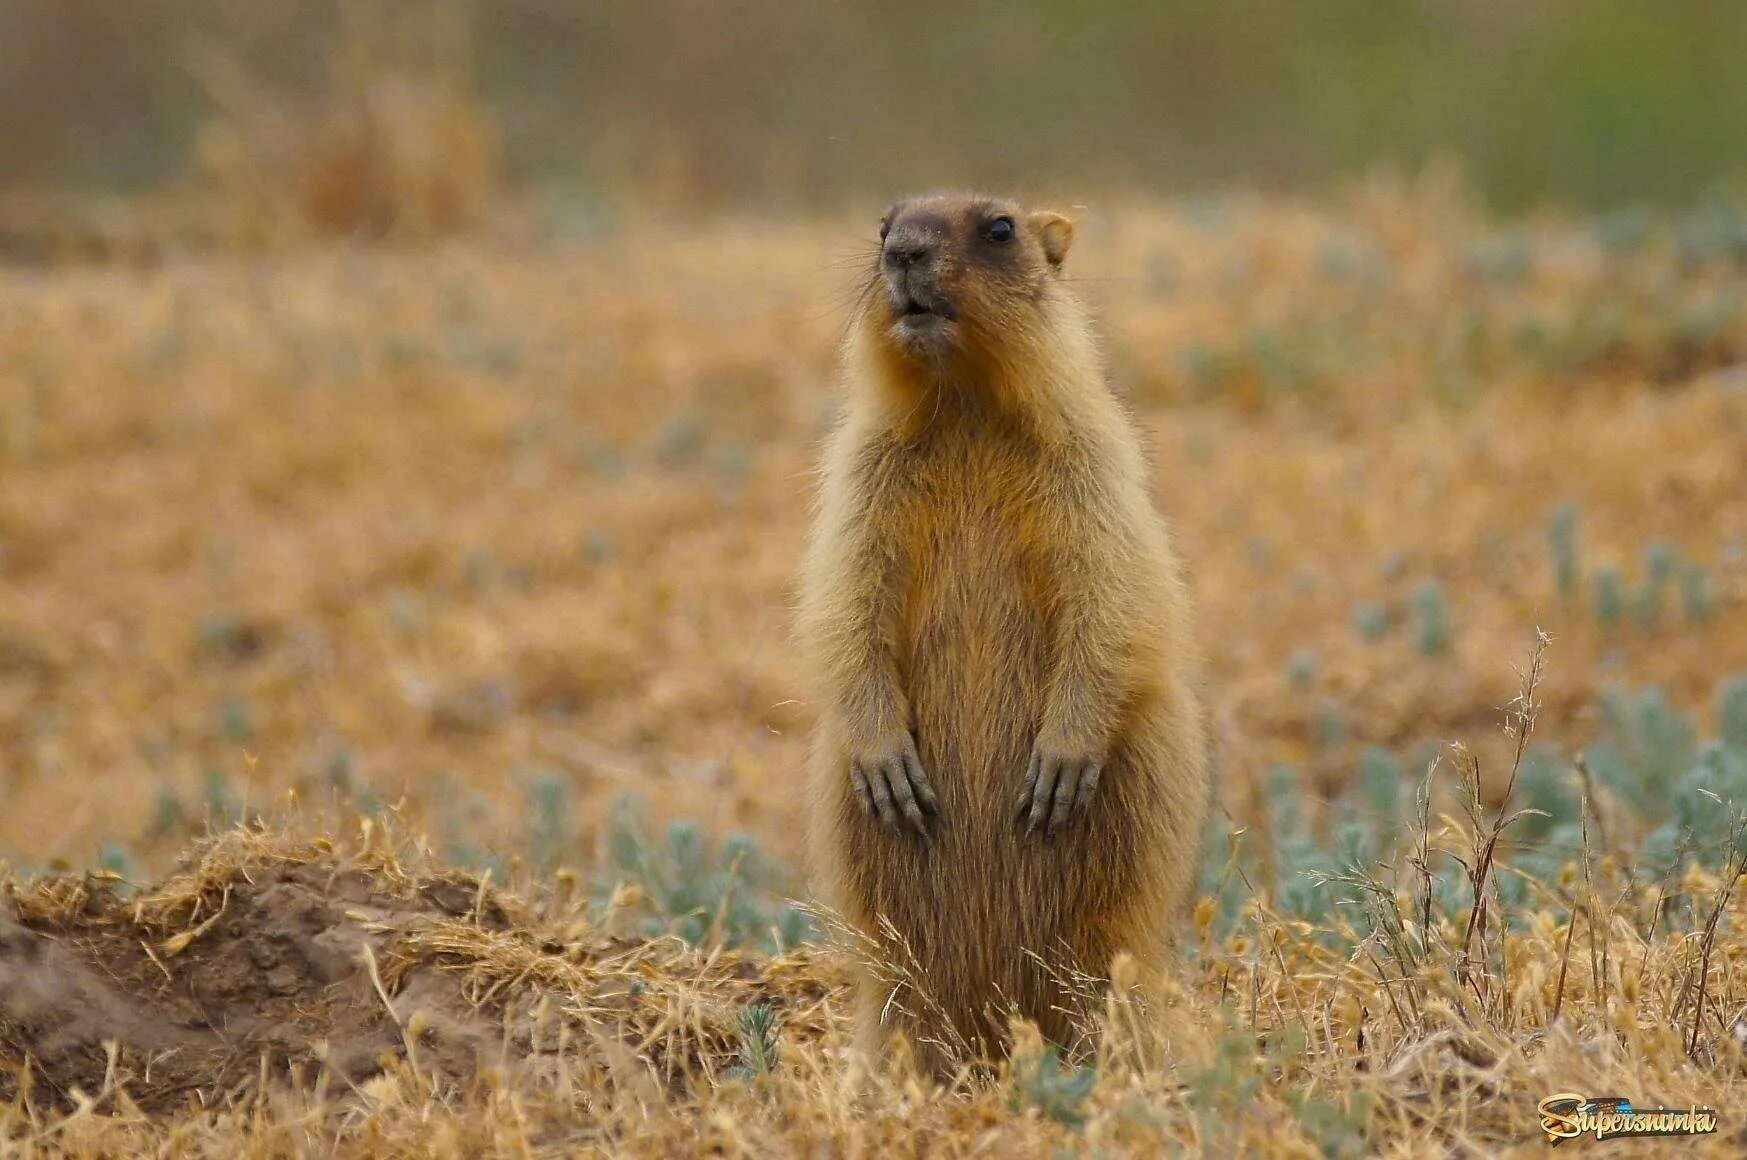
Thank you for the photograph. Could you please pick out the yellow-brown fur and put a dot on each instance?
(988, 587)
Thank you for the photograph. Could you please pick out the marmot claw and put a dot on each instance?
(893, 787)
(1058, 789)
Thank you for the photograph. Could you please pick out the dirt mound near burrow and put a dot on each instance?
(285, 968)
(268, 959)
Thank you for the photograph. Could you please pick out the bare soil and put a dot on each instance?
(278, 981)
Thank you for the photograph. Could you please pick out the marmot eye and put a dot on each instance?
(885, 228)
(999, 230)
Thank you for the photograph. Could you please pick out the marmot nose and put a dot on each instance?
(908, 247)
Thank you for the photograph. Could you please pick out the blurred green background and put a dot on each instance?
(696, 102)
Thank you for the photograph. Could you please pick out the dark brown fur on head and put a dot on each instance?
(960, 277)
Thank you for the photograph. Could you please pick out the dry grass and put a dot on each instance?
(449, 528)
(397, 144)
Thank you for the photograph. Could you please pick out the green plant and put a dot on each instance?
(1610, 598)
(1431, 619)
(234, 720)
(1646, 748)
(1377, 785)
(1331, 727)
(549, 827)
(1298, 857)
(1371, 621)
(704, 894)
(601, 459)
(222, 807)
(1544, 787)
(1325, 861)
(682, 442)
(1732, 713)
(1224, 1090)
(168, 816)
(1695, 594)
(597, 547)
(1337, 1131)
(1042, 1081)
(113, 857)
(758, 1043)
(1659, 565)
(1562, 539)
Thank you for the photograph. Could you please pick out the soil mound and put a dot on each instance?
(264, 961)
(285, 972)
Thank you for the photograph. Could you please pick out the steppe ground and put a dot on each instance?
(394, 566)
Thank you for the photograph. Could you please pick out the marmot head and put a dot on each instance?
(959, 276)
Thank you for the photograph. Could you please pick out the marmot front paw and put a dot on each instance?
(1058, 789)
(892, 786)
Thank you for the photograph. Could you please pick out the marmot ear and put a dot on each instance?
(1056, 232)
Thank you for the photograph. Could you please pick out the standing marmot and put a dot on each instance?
(1008, 781)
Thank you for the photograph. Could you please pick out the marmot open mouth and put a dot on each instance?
(916, 309)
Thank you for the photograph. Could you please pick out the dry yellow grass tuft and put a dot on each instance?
(477, 539)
